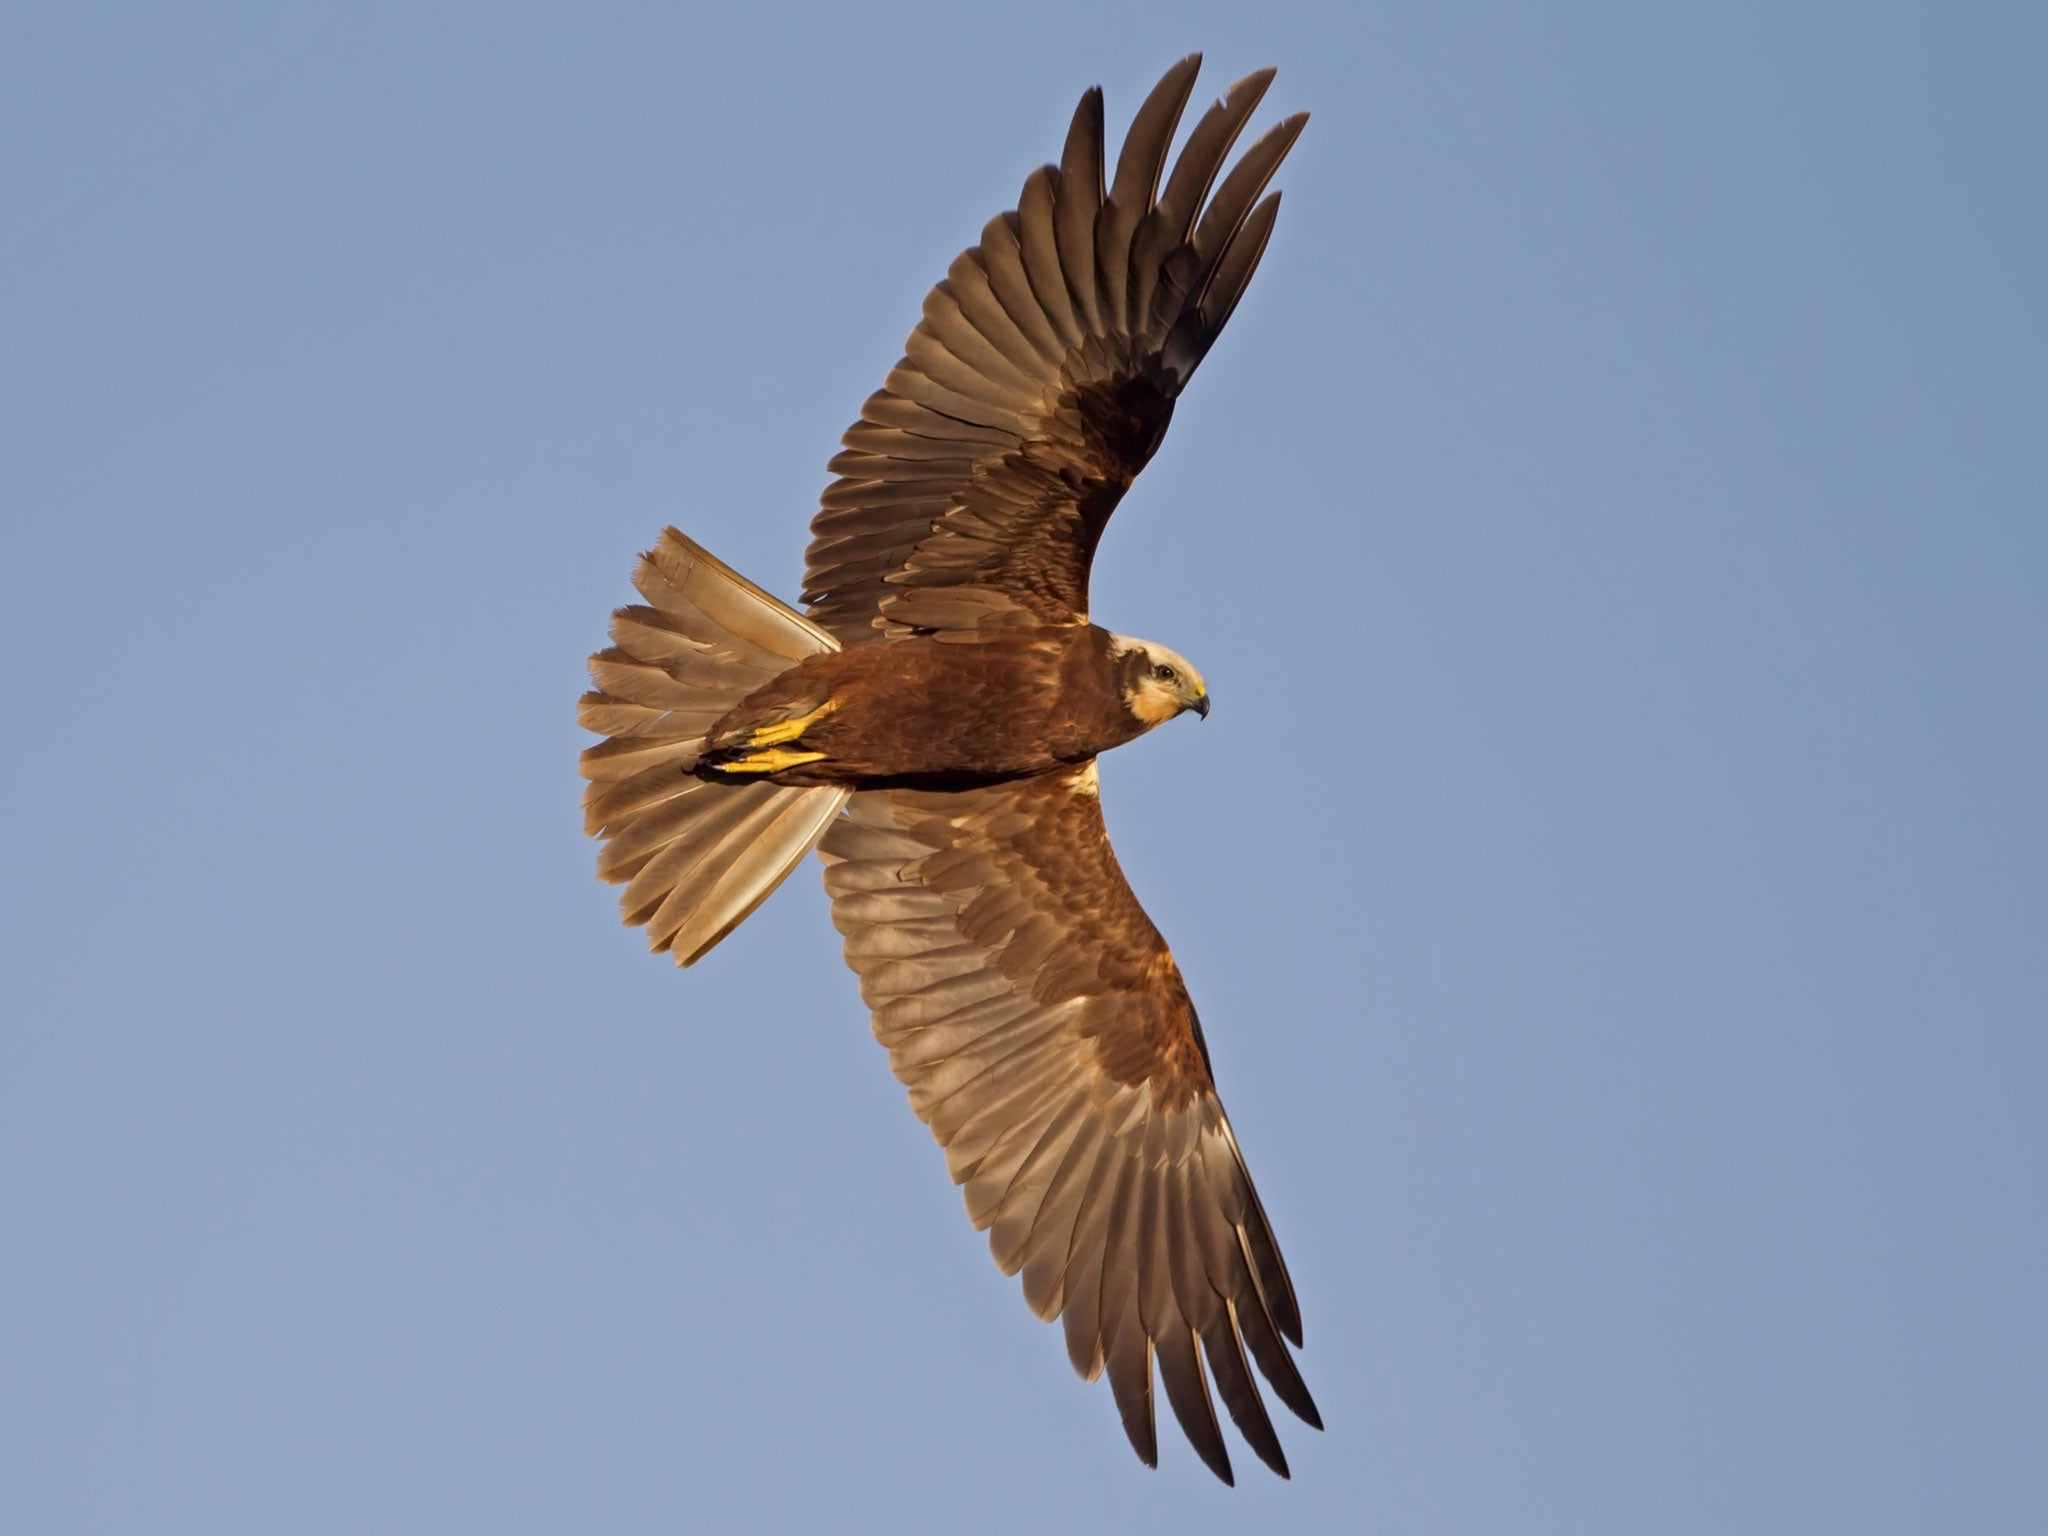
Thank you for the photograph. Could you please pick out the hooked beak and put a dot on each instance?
(1200, 704)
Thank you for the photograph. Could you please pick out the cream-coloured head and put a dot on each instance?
(1157, 683)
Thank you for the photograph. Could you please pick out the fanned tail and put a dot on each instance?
(695, 857)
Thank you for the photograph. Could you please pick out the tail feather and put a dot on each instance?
(710, 601)
(743, 871)
(696, 858)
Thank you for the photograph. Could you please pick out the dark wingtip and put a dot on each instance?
(1290, 1324)
(1216, 1459)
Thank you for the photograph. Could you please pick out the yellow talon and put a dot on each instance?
(772, 760)
(790, 730)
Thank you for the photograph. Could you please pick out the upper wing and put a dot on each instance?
(1044, 1033)
(975, 485)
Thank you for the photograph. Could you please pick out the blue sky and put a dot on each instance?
(1614, 879)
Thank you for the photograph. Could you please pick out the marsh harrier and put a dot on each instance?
(930, 725)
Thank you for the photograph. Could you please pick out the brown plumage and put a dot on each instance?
(931, 727)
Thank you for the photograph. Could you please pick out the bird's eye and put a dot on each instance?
(1163, 672)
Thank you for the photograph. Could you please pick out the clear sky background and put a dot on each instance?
(1615, 878)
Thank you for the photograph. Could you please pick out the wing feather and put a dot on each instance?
(1234, 270)
(1010, 1188)
(1046, 1248)
(1208, 147)
(1018, 1129)
(1127, 1357)
(1045, 1036)
(1077, 199)
(965, 316)
(986, 284)
(1240, 1392)
(1241, 188)
(1043, 376)
(1136, 185)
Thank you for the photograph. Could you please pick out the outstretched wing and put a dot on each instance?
(1045, 1035)
(975, 485)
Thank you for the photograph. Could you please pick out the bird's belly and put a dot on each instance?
(938, 742)
(918, 715)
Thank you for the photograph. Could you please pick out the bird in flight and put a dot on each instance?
(930, 725)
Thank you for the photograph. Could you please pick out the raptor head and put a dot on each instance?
(1157, 683)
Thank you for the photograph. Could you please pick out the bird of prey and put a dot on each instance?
(930, 725)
